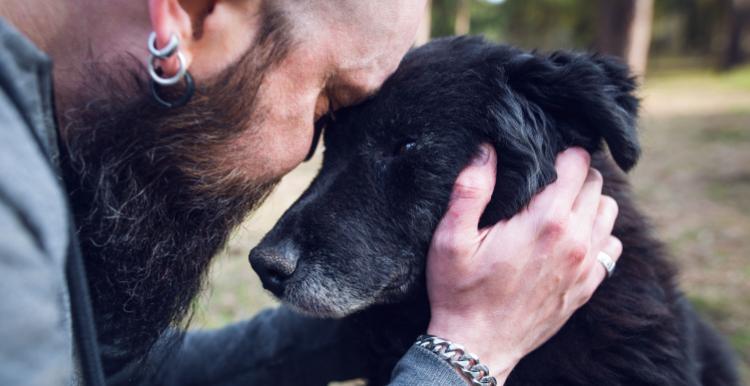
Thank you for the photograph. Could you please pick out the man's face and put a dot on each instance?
(156, 192)
(339, 53)
(152, 196)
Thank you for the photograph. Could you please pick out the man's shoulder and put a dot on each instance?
(34, 317)
(29, 184)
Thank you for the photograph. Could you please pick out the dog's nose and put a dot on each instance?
(274, 265)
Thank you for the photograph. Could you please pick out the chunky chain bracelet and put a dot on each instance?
(467, 364)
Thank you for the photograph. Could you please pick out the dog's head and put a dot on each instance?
(359, 235)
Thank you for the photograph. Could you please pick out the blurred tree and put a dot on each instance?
(443, 17)
(424, 32)
(624, 29)
(739, 16)
(536, 24)
(682, 33)
(704, 24)
(463, 17)
(488, 19)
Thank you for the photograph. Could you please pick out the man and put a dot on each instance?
(157, 172)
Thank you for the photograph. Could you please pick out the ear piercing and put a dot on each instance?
(157, 81)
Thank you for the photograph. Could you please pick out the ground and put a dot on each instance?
(693, 180)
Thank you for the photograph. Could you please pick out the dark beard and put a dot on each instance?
(152, 199)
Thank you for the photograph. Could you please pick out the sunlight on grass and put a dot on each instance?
(737, 79)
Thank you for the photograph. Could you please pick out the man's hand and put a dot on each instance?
(503, 291)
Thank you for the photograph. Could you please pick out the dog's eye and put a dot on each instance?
(405, 148)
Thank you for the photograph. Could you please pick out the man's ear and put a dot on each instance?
(213, 34)
(169, 18)
(588, 98)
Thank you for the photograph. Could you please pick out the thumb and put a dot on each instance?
(471, 194)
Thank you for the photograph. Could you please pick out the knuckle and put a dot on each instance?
(578, 252)
(449, 243)
(469, 187)
(440, 241)
(457, 250)
(554, 229)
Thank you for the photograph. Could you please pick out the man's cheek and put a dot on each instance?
(283, 131)
(268, 151)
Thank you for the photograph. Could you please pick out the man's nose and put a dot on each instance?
(275, 264)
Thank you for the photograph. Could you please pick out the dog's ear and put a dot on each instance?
(540, 105)
(585, 97)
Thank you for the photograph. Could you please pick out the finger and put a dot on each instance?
(613, 248)
(604, 223)
(601, 232)
(471, 194)
(572, 166)
(586, 205)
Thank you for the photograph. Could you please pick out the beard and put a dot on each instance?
(152, 197)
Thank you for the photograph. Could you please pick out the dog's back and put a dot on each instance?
(638, 328)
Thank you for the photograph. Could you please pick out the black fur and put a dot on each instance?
(355, 242)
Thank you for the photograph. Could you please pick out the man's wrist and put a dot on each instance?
(465, 363)
(499, 360)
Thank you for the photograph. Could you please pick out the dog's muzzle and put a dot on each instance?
(275, 264)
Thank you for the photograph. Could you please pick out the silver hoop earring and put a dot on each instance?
(157, 81)
(165, 52)
(171, 80)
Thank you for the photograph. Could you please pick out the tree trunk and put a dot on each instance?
(739, 15)
(423, 33)
(463, 17)
(624, 30)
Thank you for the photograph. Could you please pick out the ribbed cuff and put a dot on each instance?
(421, 366)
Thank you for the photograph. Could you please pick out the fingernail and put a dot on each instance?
(482, 156)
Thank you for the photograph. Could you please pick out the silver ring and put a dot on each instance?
(607, 261)
(171, 80)
(165, 52)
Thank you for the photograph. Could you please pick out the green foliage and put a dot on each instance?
(681, 71)
(490, 20)
(694, 27)
(739, 77)
(690, 26)
(443, 17)
(544, 24)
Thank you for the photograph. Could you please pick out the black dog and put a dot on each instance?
(356, 241)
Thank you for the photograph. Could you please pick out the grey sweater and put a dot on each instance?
(277, 347)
